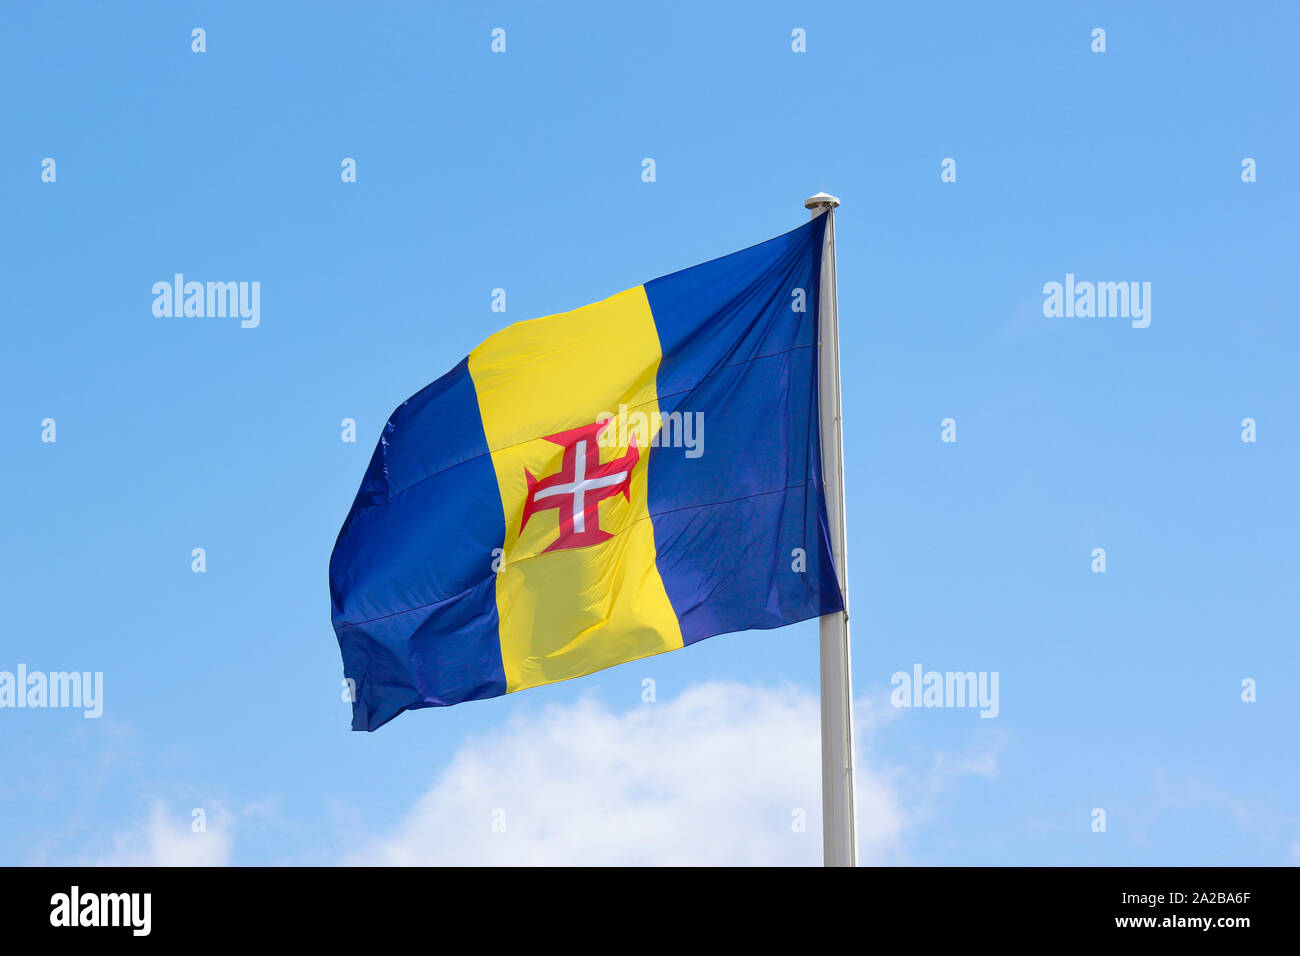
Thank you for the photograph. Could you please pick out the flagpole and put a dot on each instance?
(839, 817)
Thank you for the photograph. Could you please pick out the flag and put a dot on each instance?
(595, 487)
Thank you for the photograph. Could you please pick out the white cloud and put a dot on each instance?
(166, 838)
(712, 777)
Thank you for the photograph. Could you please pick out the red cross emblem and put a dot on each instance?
(582, 482)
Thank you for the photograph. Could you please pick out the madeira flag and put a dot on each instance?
(594, 487)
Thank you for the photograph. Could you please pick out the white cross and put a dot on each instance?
(580, 486)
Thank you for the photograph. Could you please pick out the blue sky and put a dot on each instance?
(522, 170)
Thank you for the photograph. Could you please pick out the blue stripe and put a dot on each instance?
(411, 580)
(728, 523)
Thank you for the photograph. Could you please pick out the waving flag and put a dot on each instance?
(594, 487)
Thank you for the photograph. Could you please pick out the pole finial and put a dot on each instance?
(820, 203)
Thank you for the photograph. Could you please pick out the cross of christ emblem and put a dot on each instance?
(582, 482)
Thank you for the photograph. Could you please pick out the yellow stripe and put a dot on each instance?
(570, 612)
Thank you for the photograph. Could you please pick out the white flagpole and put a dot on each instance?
(839, 816)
